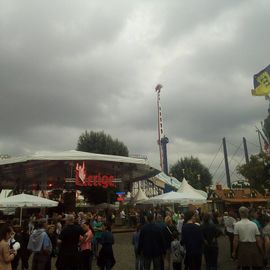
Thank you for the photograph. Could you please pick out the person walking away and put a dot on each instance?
(180, 225)
(86, 252)
(192, 239)
(123, 217)
(210, 234)
(58, 226)
(151, 244)
(175, 218)
(68, 258)
(40, 244)
(106, 258)
(7, 255)
(229, 222)
(177, 252)
(266, 239)
(23, 238)
(53, 237)
(255, 216)
(168, 231)
(142, 215)
(135, 243)
(248, 242)
(97, 224)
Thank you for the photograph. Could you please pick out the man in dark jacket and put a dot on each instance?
(151, 244)
(192, 239)
(210, 235)
(68, 258)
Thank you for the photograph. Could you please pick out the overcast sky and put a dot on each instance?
(71, 66)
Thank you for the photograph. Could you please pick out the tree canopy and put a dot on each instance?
(101, 143)
(190, 168)
(257, 171)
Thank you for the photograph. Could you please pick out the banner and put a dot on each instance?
(261, 82)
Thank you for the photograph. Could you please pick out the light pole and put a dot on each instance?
(199, 181)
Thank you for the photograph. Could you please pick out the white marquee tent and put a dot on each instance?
(139, 197)
(176, 197)
(186, 188)
(185, 195)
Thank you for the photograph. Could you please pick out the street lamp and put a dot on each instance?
(199, 181)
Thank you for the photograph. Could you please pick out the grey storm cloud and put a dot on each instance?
(67, 67)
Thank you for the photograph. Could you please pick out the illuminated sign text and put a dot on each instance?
(84, 180)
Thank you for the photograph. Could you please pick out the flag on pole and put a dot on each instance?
(261, 82)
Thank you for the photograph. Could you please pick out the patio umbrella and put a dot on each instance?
(26, 201)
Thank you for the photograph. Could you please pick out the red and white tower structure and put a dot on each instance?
(162, 139)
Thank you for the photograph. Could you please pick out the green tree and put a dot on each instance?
(256, 171)
(101, 143)
(190, 168)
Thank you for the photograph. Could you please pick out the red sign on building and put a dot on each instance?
(98, 180)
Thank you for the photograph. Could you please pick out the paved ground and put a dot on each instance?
(124, 256)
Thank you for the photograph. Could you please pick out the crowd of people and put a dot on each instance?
(74, 239)
(180, 240)
(165, 239)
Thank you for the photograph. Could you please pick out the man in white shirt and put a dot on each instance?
(123, 217)
(248, 242)
(229, 222)
(180, 225)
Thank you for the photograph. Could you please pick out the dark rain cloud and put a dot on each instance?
(67, 67)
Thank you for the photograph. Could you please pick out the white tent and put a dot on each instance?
(186, 188)
(139, 197)
(165, 198)
(185, 195)
(177, 197)
(26, 201)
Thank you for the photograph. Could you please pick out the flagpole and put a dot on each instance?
(21, 209)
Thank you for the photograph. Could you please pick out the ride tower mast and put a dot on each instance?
(162, 139)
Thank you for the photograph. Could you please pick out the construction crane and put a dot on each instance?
(162, 139)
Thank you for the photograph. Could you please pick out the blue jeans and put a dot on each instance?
(157, 262)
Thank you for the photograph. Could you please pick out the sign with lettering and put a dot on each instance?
(120, 196)
(98, 180)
